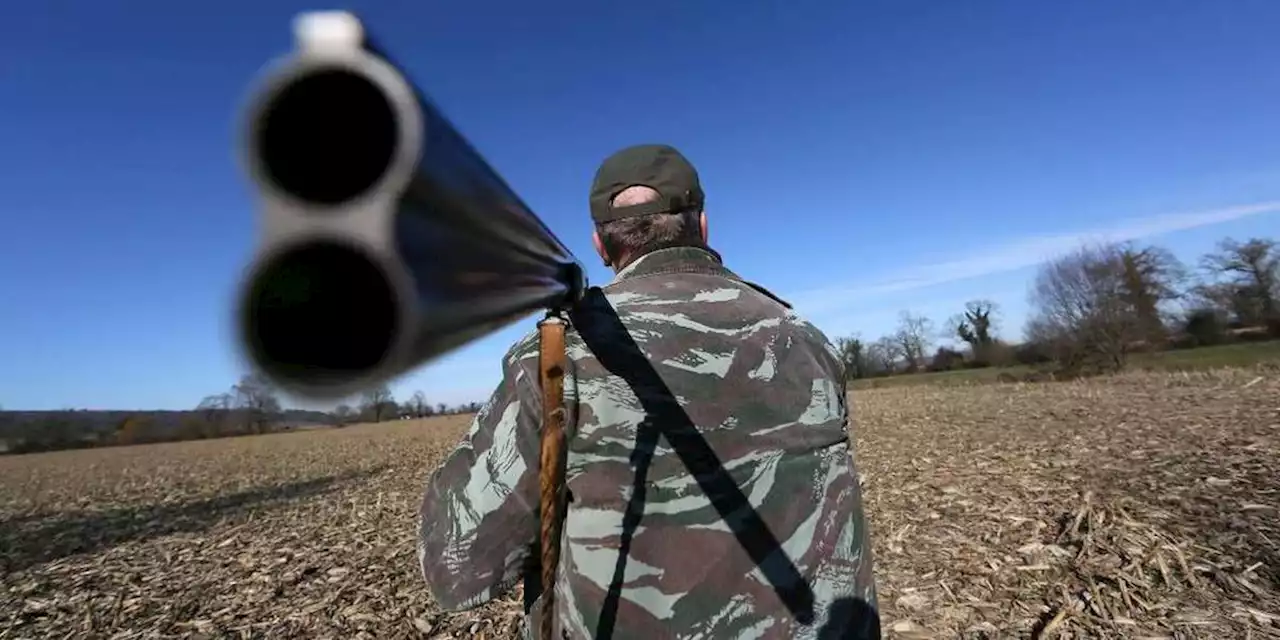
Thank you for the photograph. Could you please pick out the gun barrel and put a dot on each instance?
(386, 239)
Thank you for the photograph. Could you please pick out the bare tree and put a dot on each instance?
(1080, 308)
(256, 399)
(853, 354)
(883, 354)
(1152, 276)
(1223, 298)
(976, 327)
(1248, 276)
(378, 402)
(418, 405)
(913, 339)
(215, 410)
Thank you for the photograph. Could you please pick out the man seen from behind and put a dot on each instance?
(712, 489)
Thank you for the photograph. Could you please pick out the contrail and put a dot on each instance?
(1019, 254)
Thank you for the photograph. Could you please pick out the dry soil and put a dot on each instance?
(1142, 506)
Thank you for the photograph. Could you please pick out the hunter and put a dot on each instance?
(712, 489)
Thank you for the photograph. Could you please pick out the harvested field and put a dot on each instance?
(1143, 506)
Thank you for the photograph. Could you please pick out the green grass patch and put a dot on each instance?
(1244, 354)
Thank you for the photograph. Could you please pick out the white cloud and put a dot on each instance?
(1019, 254)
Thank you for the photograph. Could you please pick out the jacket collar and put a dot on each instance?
(674, 260)
(703, 260)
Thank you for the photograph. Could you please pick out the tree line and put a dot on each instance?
(378, 404)
(1093, 308)
(1090, 310)
(250, 407)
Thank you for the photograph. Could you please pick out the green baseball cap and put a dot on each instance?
(657, 166)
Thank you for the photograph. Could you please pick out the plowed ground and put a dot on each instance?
(1145, 505)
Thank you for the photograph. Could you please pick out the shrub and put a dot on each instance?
(1032, 353)
(946, 360)
(1204, 327)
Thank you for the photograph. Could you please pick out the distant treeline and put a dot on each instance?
(1091, 309)
(252, 406)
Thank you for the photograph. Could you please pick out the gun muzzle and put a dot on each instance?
(386, 240)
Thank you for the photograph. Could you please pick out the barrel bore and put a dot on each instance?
(320, 313)
(327, 136)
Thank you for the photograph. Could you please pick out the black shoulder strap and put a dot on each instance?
(767, 293)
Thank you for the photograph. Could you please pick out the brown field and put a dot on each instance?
(1141, 506)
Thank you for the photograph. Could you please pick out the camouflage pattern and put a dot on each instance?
(720, 465)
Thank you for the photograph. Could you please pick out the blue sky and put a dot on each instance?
(859, 157)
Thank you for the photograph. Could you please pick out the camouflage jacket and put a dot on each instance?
(710, 474)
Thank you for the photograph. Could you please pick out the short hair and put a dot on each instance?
(639, 234)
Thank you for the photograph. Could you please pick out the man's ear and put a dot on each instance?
(599, 245)
(702, 224)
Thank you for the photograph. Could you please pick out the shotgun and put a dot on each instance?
(385, 240)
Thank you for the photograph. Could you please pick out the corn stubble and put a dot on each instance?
(1143, 506)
